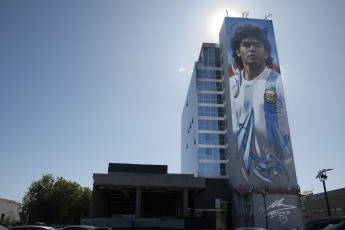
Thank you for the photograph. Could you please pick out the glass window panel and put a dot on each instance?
(210, 98)
(209, 74)
(207, 111)
(212, 139)
(212, 125)
(210, 86)
(212, 169)
(212, 153)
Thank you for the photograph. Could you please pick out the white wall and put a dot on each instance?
(9, 209)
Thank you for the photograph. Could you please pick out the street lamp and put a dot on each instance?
(322, 177)
(264, 193)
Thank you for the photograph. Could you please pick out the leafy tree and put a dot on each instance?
(55, 201)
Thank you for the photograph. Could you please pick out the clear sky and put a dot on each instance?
(84, 83)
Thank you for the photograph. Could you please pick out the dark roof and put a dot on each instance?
(137, 168)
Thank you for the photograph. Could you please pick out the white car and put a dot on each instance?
(84, 227)
(32, 227)
(249, 228)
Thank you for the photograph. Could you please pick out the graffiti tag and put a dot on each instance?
(278, 209)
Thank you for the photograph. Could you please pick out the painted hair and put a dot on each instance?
(246, 31)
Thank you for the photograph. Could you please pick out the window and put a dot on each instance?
(222, 169)
(212, 139)
(211, 56)
(209, 74)
(208, 111)
(222, 204)
(211, 125)
(210, 98)
(209, 86)
(211, 169)
(212, 153)
(246, 204)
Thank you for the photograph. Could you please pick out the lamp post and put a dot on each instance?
(322, 177)
(264, 193)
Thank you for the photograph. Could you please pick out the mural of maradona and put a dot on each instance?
(259, 117)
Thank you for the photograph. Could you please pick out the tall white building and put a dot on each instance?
(204, 126)
(235, 128)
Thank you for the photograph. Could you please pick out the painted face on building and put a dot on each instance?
(253, 53)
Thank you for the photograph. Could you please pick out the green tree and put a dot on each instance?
(55, 201)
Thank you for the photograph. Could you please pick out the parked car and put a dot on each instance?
(3, 228)
(249, 228)
(84, 227)
(328, 223)
(32, 227)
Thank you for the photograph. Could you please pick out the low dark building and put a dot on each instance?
(146, 196)
(314, 205)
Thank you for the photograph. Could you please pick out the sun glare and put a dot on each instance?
(215, 22)
(214, 19)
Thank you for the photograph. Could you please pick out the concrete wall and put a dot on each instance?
(316, 207)
(189, 130)
(9, 209)
(128, 193)
(283, 211)
(149, 180)
(99, 203)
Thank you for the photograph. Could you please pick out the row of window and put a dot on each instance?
(211, 56)
(207, 111)
(190, 125)
(247, 204)
(211, 125)
(210, 86)
(212, 154)
(336, 209)
(211, 51)
(212, 169)
(209, 74)
(210, 98)
(212, 62)
(212, 139)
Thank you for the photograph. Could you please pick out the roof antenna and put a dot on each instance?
(267, 16)
(227, 13)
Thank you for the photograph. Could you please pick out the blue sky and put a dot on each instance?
(85, 83)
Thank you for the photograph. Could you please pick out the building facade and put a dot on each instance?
(314, 206)
(204, 127)
(9, 211)
(147, 197)
(234, 125)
